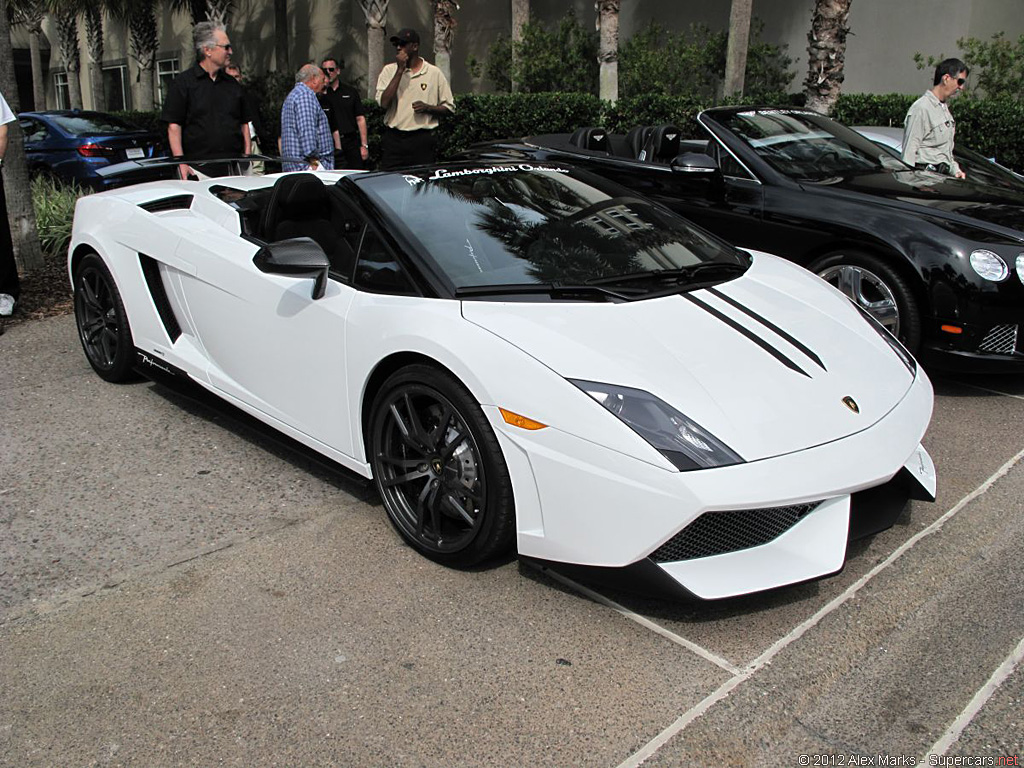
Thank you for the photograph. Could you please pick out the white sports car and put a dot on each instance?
(522, 355)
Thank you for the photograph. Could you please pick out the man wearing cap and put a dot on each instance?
(414, 95)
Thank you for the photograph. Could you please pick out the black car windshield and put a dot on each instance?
(806, 145)
(92, 124)
(515, 225)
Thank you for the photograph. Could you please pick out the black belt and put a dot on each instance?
(944, 168)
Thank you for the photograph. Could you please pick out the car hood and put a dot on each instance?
(741, 378)
(907, 189)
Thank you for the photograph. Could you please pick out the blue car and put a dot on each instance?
(72, 145)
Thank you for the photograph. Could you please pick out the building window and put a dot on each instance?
(166, 71)
(60, 86)
(115, 87)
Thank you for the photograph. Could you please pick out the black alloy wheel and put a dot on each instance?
(878, 289)
(439, 468)
(102, 322)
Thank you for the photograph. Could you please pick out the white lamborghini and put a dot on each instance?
(522, 355)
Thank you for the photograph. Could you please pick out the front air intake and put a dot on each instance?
(715, 533)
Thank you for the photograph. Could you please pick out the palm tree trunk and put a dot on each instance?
(20, 214)
(608, 52)
(739, 42)
(826, 53)
(67, 36)
(144, 43)
(376, 13)
(281, 36)
(444, 34)
(34, 51)
(94, 45)
(520, 16)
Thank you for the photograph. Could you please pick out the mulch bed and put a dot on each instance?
(45, 292)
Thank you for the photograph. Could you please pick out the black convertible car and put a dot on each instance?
(937, 261)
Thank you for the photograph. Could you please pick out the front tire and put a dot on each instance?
(439, 469)
(878, 289)
(102, 322)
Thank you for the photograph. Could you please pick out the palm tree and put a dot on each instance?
(30, 13)
(65, 20)
(444, 34)
(520, 17)
(283, 61)
(20, 213)
(739, 41)
(93, 15)
(376, 13)
(140, 18)
(608, 52)
(826, 53)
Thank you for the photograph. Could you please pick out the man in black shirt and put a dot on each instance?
(344, 108)
(205, 109)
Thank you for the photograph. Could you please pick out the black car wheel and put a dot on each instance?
(439, 468)
(102, 322)
(878, 289)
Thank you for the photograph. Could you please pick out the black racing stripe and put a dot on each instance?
(769, 324)
(744, 331)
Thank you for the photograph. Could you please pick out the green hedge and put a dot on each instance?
(993, 127)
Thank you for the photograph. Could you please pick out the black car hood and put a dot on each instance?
(910, 189)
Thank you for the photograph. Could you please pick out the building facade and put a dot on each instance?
(884, 35)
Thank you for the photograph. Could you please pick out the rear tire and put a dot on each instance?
(439, 469)
(876, 288)
(102, 322)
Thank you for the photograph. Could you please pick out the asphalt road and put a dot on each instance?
(176, 588)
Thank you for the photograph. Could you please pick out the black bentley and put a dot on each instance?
(938, 261)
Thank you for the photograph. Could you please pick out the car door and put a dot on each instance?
(274, 347)
(36, 136)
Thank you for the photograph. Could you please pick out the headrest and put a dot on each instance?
(298, 190)
(664, 143)
(636, 140)
(592, 138)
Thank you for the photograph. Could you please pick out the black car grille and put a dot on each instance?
(1000, 340)
(715, 533)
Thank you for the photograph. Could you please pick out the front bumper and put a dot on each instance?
(579, 503)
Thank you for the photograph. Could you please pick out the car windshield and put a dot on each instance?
(807, 146)
(504, 225)
(92, 124)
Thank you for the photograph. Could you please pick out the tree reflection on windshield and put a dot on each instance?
(504, 225)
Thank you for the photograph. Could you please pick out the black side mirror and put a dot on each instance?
(298, 257)
(694, 162)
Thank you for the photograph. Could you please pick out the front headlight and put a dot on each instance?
(1020, 267)
(679, 439)
(989, 265)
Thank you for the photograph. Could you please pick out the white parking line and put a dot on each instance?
(974, 706)
(643, 621)
(649, 749)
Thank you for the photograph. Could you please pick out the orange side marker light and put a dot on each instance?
(522, 422)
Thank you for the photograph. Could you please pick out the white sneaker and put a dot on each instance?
(6, 305)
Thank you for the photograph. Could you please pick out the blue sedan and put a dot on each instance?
(73, 145)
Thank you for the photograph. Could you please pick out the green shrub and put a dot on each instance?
(559, 59)
(54, 203)
(997, 66)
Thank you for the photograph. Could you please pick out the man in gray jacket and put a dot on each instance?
(929, 128)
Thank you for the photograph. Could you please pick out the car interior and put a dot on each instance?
(658, 144)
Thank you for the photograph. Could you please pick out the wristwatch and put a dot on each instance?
(365, 146)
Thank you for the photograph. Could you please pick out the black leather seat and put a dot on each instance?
(664, 143)
(300, 206)
(592, 138)
(637, 141)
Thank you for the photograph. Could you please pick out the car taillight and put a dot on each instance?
(95, 150)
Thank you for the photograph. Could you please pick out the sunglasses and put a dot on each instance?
(226, 47)
(960, 81)
(330, 69)
(400, 44)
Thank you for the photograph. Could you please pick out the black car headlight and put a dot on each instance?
(679, 439)
(892, 341)
(989, 265)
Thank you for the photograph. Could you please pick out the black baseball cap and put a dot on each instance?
(406, 36)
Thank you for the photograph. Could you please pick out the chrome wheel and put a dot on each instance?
(869, 291)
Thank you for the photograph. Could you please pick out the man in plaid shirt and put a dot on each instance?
(305, 131)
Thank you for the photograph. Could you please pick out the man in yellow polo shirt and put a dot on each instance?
(414, 94)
